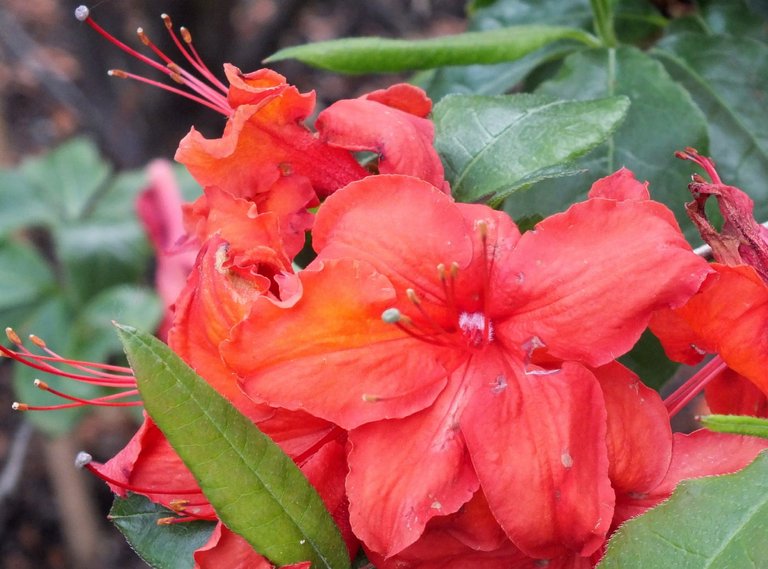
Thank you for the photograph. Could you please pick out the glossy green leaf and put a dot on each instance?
(257, 491)
(728, 78)
(712, 522)
(25, 276)
(160, 546)
(662, 118)
(372, 54)
(736, 424)
(493, 146)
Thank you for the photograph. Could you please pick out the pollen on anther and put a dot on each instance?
(82, 12)
(391, 316)
(83, 459)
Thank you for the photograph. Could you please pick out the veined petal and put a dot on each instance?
(404, 472)
(402, 226)
(537, 441)
(639, 433)
(591, 277)
(403, 141)
(330, 353)
(731, 315)
(263, 142)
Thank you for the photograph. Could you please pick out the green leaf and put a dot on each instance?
(662, 118)
(492, 146)
(25, 277)
(257, 491)
(372, 54)
(160, 546)
(708, 523)
(20, 204)
(728, 78)
(736, 424)
(68, 178)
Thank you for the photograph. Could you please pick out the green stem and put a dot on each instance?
(736, 424)
(602, 11)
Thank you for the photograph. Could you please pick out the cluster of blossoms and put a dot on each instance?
(448, 384)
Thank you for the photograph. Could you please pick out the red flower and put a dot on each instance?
(712, 322)
(435, 333)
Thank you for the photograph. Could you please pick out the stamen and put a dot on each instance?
(212, 97)
(706, 163)
(686, 392)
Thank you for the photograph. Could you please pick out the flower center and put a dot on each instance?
(476, 328)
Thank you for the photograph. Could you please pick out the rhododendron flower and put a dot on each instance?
(711, 322)
(159, 209)
(458, 352)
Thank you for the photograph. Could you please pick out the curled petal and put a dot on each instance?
(256, 87)
(733, 394)
(403, 141)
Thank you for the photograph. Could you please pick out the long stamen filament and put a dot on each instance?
(686, 392)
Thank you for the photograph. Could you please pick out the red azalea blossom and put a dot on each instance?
(442, 344)
(711, 322)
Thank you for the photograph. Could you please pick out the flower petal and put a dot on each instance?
(401, 225)
(227, 549)
(590, 278)
(403, 141)
(404, 472)
(639, 433)
(330, 353)
(537, 441)
(733, 394)
(621, 185)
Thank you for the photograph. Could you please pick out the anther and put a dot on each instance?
(142, 36)
(482, 227)
(167, 20)
(117, 73)
(83, 459)
(185, 35)
(368, 398)
(16, 406)
(40, 384)
(37, 341)
(454, 270)
(13, 337)
(82, 13)
(166, 521)
(391, 316)
(412, 296)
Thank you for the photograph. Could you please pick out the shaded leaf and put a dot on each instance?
(20, 204)
(661, 118)
(709, 522)
(492, 146)
(25, 276)
(372, 54)
(257, 491)
(160, 546)
(735, 109)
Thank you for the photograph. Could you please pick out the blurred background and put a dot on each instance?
(54, 86)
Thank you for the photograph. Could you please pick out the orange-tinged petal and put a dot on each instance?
(404, 472)
(253, 88)
(329, 352)
(731, 315)
(733, 394)
(590, 278)
(403, 96)
(537, 441)
(639, 434)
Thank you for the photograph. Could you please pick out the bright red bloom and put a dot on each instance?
(712, 322)
(436, 334)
